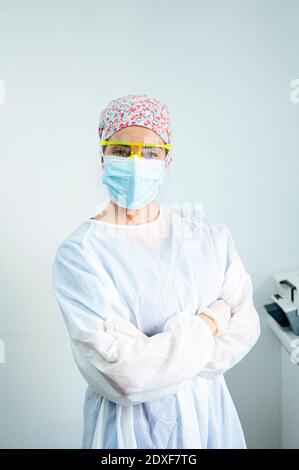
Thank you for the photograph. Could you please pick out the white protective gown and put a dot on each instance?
(128, 295)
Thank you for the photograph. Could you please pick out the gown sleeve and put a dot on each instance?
(244, 328)
(126, 369)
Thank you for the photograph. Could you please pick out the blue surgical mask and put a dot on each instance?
(132, 182)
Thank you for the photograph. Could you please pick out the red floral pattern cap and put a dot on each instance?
(136, 110)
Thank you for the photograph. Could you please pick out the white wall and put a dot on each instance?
(224, 68)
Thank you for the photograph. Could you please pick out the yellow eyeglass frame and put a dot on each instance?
(139, 145)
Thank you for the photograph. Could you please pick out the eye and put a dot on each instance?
(121, 151)
(152, 153)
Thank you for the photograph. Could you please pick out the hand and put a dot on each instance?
(209, 321)
(220, 312)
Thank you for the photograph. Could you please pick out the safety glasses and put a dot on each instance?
(144, 150)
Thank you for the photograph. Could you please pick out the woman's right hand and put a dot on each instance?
(219, 315)
(209, 321)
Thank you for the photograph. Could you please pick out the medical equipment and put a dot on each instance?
(285, 309)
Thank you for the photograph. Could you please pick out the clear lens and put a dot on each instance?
(153, 152)
(118, 150)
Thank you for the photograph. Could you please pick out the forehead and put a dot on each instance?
(136, 134)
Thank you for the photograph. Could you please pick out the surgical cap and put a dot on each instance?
(136, 110)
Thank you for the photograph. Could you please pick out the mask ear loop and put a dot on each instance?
(163, 192)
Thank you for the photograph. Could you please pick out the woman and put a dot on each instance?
(157, 302)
